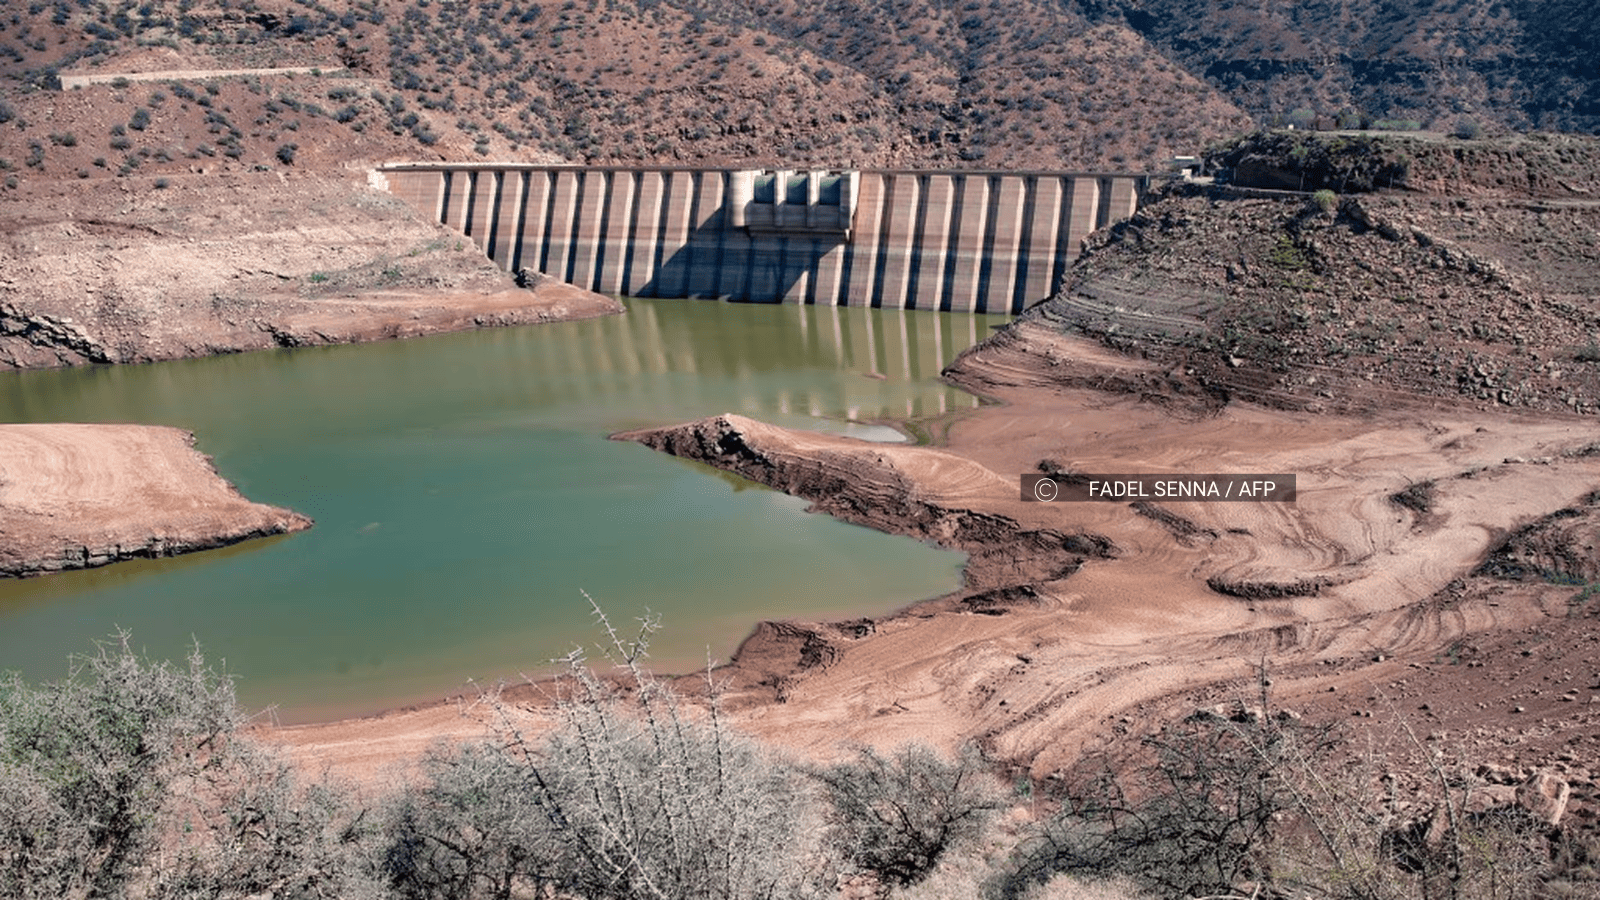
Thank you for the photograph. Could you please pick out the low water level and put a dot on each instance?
(465, 496)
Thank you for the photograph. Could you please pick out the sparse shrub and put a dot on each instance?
(7, 113)
(1325, 200)
(632, 796)
(162, 184)
(1467, 129)
(128, 779)
(286, 153)
(467, 830)
(1417, 497)
(88, 763)
(261, 832)
(64, 140)
(140, 120)
(896, 816)
(1193, 819)
(1288, 255)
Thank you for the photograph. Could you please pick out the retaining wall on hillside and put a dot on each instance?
(960, 241)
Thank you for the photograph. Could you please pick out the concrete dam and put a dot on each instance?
(991, 242)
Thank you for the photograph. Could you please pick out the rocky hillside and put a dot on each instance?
(1524, 64)
(1084, 84)
(1448, 269)
(931, 83)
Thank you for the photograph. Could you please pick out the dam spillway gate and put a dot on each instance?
(987, 242)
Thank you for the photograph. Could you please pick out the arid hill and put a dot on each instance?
(1019, 85)
(1461, 271)
(1086, 84)
(1521, 65)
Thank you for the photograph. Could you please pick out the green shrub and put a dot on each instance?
(1325, 200)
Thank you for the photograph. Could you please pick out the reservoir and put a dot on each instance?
(466, 496)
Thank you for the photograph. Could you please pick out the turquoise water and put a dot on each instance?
(465, 496)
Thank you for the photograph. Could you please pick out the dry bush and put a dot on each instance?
(87, 765)
(1065, 887)
(631, 796)
(129, 777)
(1255, 804)
(896, 816)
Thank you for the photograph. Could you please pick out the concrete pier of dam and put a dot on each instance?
(993, 242)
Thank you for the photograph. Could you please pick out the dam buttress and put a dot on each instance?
(988, 242)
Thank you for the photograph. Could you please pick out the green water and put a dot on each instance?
(465, 496)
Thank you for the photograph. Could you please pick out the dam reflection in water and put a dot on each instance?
(885, 362)
(464, 494)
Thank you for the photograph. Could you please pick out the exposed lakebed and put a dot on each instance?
(465, 497)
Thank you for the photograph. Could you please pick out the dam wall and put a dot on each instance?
(988, 242)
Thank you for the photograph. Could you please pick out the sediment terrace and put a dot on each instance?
(991, 242)
(77, 496)
(1044, 660)
(1080, 623)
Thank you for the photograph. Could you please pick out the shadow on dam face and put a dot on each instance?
(987, 242)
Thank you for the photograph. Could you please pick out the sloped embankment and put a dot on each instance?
(90, 275)
(1467, 281)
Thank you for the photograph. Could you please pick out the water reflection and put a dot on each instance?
(464, 493)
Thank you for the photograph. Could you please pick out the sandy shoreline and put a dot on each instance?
(77, 496)
(1100, 614)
